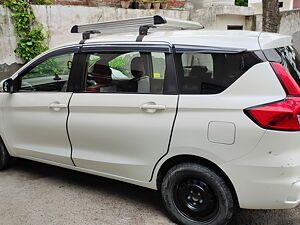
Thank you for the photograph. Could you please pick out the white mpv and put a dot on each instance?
(208, 118)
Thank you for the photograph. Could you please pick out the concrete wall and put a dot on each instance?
(8, 61)
(296, 40)
(218, 17)
(224, 20)
(289, 22)
(257, 5)
(207, 3)
(59, 19)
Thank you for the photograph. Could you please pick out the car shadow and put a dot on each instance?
(150, 198)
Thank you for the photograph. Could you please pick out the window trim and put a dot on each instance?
(87, 48)
(207, 49)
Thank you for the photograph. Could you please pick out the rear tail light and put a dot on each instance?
(282, 115)
(289, 84)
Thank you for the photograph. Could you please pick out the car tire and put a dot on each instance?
(4, 156)
(196, 195)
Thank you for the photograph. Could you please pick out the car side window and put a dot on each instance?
(204, 73)
(50, 75)
(125, 72)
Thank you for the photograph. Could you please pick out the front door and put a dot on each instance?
(120, 124)
(36, 114)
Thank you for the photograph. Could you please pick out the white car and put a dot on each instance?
(208, 118)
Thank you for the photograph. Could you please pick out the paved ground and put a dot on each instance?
(36, 194)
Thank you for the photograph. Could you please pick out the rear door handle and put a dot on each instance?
(57, 106)
(152, 107)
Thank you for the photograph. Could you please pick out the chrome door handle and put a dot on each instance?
(152, 107)
(57, 106)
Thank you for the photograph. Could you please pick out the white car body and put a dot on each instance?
(261, 165)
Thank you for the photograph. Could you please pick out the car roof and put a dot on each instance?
(249, 40)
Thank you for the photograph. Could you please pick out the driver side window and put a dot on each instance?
(51, 75)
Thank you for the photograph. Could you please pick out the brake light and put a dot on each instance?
(278, 116)
(284, 115)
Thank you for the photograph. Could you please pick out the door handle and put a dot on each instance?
(152, 107)
(57, 106)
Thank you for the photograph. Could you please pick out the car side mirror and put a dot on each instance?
(7, 86)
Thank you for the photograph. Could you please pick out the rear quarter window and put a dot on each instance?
(288, 57)
(204, 73)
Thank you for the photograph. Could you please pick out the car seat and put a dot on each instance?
(140, 83)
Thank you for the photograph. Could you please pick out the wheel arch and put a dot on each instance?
(169, 163)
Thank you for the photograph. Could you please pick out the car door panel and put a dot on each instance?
(123, 133)
(36, 114)
(36, 130)
(111, 133)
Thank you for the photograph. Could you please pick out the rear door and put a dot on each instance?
(121, 121)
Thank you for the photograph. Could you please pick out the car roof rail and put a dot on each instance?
(142, 25)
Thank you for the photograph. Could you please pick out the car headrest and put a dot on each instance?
(137, 67)
(102, 74)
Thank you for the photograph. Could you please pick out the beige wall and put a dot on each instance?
(207, 3)
(58, 20)
(224, 20)
(287, 5)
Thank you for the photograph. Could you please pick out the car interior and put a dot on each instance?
(212, 73)
(132, 75)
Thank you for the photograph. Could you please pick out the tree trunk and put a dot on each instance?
(271, 16)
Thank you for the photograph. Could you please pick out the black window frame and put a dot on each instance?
(170, 86)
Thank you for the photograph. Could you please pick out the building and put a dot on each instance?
(283, 5)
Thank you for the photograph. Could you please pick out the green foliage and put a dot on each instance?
(53, 66)
(31, 44)
(120, 64)
(241, 2)
(30, 36)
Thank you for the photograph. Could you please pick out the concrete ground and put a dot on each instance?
(36, 194)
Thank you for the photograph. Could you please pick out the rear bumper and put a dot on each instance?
(293, 198)
(265, 188)
(268, 177)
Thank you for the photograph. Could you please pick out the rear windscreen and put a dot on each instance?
(288, 57)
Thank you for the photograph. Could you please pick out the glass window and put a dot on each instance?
(50, 75)
(130, 72)
(288, 57)
(212, 73)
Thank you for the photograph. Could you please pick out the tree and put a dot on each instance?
(271, 16)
